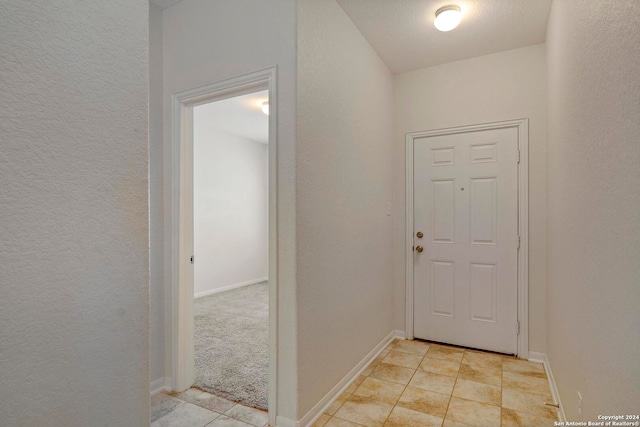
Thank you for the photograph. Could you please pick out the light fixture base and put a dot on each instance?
(448, 7)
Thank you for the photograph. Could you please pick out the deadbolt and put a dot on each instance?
(419, 234)
(419, 248)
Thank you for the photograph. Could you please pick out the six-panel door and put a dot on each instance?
(466, 205)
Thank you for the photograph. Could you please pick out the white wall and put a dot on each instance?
(74, 245)
(156, 198)
(207, 41)
(230, 209)
(502, 86)
(594, 205)
(344, 152)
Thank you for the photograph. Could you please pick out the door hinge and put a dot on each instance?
(517, 327)
(518, 156)
(518, 242)
(192, 259)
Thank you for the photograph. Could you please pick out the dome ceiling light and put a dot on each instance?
(448, 17)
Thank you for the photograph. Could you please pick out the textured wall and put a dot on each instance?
(224, 39)
(503, 86)
(594, 205)
(344, 153)
(156, 198)
(230, 208)
(74, 246)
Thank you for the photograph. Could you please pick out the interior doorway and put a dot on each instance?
(231, 248)
(192, 282)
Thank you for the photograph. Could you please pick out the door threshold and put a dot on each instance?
(464, 347)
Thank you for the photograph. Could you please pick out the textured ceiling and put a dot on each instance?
(165, 3)
(402, 31)
(241, 116)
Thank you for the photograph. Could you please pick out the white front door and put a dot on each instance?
(466, 210)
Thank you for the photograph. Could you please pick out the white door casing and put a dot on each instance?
(181, 297)
(465, 193)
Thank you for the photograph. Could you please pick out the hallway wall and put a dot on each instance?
(594, 205)
(344, 153)
(74, 239)
(230, 209)
(491, 88)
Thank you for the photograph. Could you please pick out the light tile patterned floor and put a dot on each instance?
(195, 408)
(410, 384)
(415, 383)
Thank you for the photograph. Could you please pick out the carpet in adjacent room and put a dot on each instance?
(231, 344)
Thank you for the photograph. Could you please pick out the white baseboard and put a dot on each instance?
(542, 358)
(324, 403)
(534, 356)
(228, 288)
(160, 385)
(402, 335)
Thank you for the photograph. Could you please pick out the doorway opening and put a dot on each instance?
(231, 248)
(224, 240)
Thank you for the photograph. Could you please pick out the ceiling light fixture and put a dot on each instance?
(448, 17)
(265, 107)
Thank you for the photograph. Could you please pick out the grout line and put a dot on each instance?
(446, 412)
(353, 422)
(183, 402)
(400, 395)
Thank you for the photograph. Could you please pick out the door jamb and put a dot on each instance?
(522, 126)
(182, 327)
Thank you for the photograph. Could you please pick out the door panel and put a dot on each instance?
(482, 210)
(442, 209)
(483, 286)
(466, 204)
(443, 283)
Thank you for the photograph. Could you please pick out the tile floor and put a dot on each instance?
(414, 383)
(195, 408)
(410, 384)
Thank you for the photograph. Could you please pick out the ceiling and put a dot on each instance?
(240, 115)
(402, 31)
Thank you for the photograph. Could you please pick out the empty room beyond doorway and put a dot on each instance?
(231, 248)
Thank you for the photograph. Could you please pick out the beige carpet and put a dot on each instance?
(231, 344)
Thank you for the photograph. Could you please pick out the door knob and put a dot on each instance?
(419, 235)
(419, 248)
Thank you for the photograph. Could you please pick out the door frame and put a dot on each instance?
(522, 126)
(181, 164)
